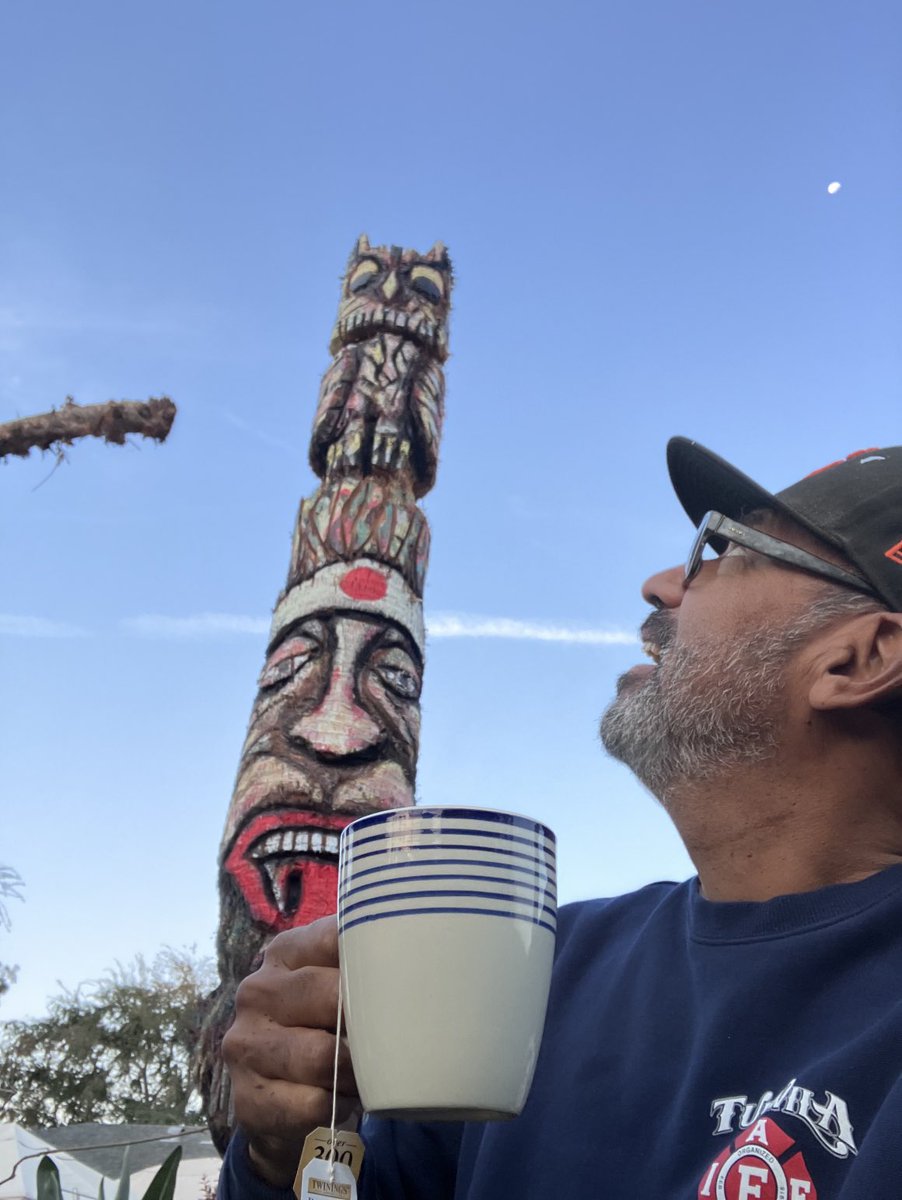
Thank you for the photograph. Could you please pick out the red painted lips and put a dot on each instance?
(285, 862)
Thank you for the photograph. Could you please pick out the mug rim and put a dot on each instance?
(502, 817)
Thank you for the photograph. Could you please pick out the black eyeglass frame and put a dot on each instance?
(716, 525)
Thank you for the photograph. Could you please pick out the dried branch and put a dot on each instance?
(111, 421)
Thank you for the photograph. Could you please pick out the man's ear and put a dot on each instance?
(860, 665)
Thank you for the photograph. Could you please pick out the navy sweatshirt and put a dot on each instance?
(736, 1051)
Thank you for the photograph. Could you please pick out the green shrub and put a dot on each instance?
(161, 1187)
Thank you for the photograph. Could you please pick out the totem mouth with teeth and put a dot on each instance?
(285, 862)
(279, 854)
(366, 321)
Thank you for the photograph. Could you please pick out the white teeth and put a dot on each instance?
(362, 322)
(652, 650)
(296, 841)
(272, 852)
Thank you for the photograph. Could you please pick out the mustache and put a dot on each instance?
(658, 628)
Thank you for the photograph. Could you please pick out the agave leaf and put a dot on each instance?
(101, 1195)
(122, 1189)
(162, 1186)
(48, 1178)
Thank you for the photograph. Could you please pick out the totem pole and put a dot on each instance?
(334, 730)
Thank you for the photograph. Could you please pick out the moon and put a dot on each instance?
(833, 188)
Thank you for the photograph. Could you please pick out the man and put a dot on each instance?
(738, 1036)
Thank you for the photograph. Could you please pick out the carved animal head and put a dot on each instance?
(390, 290)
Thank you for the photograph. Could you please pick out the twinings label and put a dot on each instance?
(322, 1180)
(346, 1150)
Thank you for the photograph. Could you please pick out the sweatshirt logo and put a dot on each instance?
(828, 1119)
(763, 1163)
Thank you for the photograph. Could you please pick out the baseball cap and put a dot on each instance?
(854, 504)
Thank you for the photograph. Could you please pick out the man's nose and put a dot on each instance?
(390, 285)
(338, 726)
(664, 590)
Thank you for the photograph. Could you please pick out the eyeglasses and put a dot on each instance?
(716, 525)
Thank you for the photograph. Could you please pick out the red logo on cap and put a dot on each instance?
(363, 583)
(895, 553)
(839, 462)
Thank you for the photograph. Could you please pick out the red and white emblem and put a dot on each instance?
(758, 1165)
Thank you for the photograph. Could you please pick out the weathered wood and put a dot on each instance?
(112, 421)
(334, 732)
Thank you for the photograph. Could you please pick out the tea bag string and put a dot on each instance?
(332, 1131)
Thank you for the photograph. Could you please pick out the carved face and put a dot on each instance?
(334, 731)
(390, 290)
(333, 735)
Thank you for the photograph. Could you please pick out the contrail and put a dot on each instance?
(38, 627)
(200, 625)
(463, 625)
(442, 625)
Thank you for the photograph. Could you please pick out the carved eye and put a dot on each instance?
(400, 681)
(285, 662)
(363, 274)
(428, 283)
(398, 672)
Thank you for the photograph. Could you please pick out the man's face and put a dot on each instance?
(716, 694)
(333, 735)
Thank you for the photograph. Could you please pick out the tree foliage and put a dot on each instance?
(117, 1049)
(11, 883)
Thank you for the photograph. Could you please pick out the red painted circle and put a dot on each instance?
(363, 583)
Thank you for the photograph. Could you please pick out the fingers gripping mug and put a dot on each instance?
(446, 920)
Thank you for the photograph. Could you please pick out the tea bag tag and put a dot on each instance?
(331, 1159)
(325, 1146)
(323, 1179)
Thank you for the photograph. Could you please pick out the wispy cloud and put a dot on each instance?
(19, 321)
(262, 436)
(200, 625)
(442, 625)
(465, 625)
(38, 627)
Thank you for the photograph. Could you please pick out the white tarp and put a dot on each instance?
(77, 1180)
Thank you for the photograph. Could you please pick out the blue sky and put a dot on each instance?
(635, 199)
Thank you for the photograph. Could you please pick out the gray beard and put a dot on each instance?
(709, 710)
(702, 713)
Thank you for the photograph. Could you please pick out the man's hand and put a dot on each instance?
(280, 1051)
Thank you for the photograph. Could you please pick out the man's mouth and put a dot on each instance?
(653, 650)
(285, 862)
(657, 634)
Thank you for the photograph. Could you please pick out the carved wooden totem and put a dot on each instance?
(334, 730)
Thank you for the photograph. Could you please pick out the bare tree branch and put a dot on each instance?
(111, 421)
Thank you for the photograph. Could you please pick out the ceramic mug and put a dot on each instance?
(446, 921)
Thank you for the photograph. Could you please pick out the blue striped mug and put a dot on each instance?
(446, 925)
